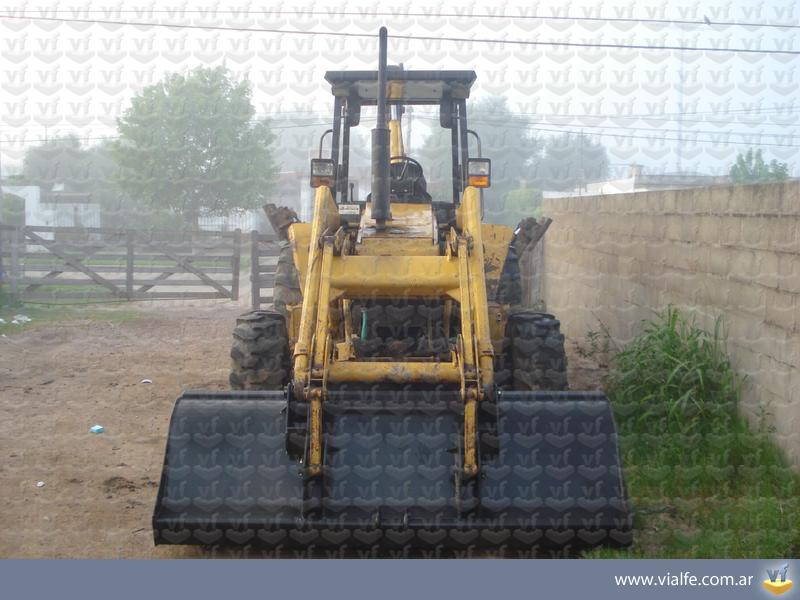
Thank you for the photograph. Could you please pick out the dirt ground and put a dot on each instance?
(59, 379)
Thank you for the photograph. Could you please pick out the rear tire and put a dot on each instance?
(260, 352)
(286, 287)
(539, 361)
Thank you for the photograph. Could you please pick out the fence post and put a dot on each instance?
(15, 238)
(255, 271)
(3, 236)
(236, 263)
(129, 247)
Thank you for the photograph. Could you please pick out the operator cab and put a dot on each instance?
(352, 90)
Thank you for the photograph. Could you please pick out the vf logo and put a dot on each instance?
(778, 583)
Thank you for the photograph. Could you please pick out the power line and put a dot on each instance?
(332, 14)
(629, 128)
(322, 113)
(118, 137)
(534, 126)
(556, 44)
(667, 139)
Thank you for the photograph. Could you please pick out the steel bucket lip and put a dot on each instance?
(483, 534)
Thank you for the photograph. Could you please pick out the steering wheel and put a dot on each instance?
(406, 160)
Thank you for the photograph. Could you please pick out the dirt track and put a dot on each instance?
(57, 380)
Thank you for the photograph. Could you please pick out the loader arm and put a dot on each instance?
(335, 276)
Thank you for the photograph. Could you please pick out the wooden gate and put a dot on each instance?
(92, 263)
(264, 250)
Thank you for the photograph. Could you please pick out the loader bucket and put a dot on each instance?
(550, 475)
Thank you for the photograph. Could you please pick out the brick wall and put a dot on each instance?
(732, 251)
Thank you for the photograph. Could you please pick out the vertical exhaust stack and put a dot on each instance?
(381, 209)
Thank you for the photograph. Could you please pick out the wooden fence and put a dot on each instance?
(91, 263)
(264, 250)
(94, 263)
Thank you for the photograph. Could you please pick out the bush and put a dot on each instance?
(675, 378)
(702, 482)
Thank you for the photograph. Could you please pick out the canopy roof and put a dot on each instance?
(408, 87)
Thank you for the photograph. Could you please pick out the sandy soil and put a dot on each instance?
(57, 380)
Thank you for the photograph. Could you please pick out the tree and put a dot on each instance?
(60, 160)
(505, 139)
(189, 143)
(520, 204)
(570, 160)
(93, 171)
(751, 168)
(12, 209)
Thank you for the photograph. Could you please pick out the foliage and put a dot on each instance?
(517, 205)
(91, 170)
(504, 138)
(12, 209)
(702, 482)
(568, 161)
(518, 156)
(677, 377)
(60, 160)
(751, 168)
(189, 143)
(598, 345)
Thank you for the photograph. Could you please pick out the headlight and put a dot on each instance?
(479, 172)
(323, 172)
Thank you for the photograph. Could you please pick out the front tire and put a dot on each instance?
(260, 352)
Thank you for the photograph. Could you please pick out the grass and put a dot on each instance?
(40, 314)
(703, 481)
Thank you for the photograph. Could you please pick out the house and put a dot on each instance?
(638, 181)
(57, 207)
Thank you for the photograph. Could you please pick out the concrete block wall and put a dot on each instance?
(730, 251)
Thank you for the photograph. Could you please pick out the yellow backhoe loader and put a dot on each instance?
(398, 401)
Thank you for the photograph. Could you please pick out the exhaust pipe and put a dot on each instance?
(381, 209)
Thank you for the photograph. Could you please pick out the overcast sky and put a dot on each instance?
(62, 78)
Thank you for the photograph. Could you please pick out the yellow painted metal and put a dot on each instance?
(393, 372)
(470, 214)
(409, 222)
(395, 276)
(299, 238)
(322, 327)
(471, 434)
(374, 246)
(470, 382)
(325, 219)
(498, 317)
(395, 139)
(314, 466)
(402, 261)
(495, 250)
(475, 327)
(465, 305)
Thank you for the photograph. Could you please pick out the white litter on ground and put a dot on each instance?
(40, 484)
(147, 381)
(97, 429)
(22, 319)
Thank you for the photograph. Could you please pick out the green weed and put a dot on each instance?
(703, 482)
